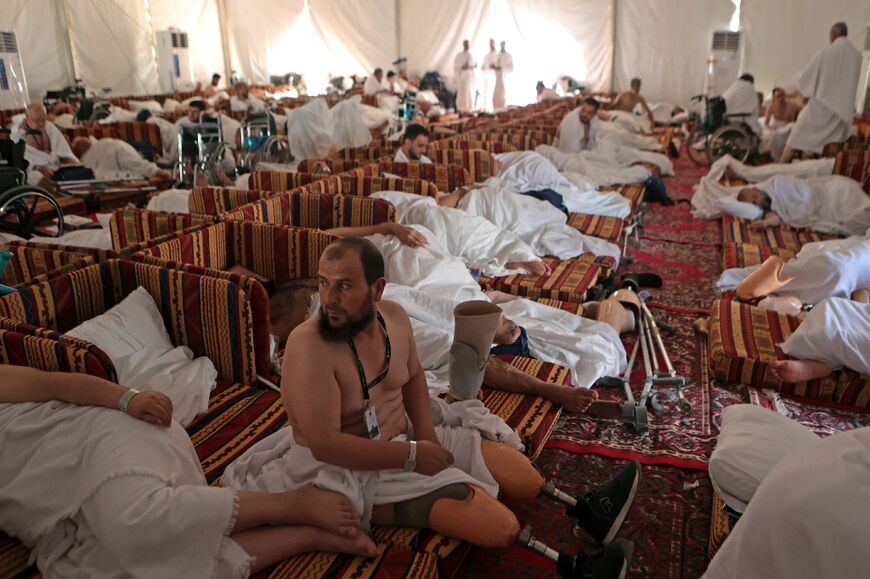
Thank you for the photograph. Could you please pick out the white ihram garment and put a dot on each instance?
(506, 66)
(465, 81)
(116, 159)
(572, 133)
(589, 166)
(832, 204)
(58, 149)
(486, 67)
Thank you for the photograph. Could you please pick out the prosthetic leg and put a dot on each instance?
(479, 518)
(763, 281)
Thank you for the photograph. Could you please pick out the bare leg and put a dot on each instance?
(305, 506)
(787, 155)
(793, 371)
(272, 544)
(861, 295)
(534, 267)
(702, 325)
(503, 376)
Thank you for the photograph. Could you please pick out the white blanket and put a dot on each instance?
(81, 449)
(531, 171)
(308, 131)
(820, 270)
(116, 159)
(633, 123)
(709, 190)
(172, 200)
(346, 126)
(538, 223)
(832, 204)
(613, 133)
(588, 348)
(475, 240)
(583, 167)
(836, 332)
(808, 517)
(278, 463)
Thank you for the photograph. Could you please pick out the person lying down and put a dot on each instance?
(833, 204)
(133, 489)
(834, 335)
(822, 269)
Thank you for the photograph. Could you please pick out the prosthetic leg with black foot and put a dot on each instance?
(600, 512)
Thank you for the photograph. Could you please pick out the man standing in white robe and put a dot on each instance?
(47, 149)
(830, 81)
(504, 66)
(463, 66)
(488, 67)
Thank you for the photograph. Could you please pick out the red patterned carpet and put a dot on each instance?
(670, 521)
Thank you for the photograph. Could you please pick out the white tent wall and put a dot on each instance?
(666, 44)
(41, 33)
(263, 39)
(113, 45)
(781, 36)
(199, 18)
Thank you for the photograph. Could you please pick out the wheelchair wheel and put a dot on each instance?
(731, 140)
(273, 150)
(220, 164)
(18, 207)
(697, 146)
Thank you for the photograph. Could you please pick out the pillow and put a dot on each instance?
(134, 337)
(740, 209)
(152, 105)
(751, 443)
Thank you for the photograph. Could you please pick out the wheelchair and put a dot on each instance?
(19, 201)
(260, 142)
(202, 152)
(720, 133)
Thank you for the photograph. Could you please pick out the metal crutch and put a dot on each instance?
(671, 378)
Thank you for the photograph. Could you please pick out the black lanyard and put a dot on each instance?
(359, 366)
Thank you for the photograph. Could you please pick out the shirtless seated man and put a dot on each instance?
(628, 100)
(780, 111)
(371, 411)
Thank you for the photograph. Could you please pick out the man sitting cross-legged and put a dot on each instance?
(97, 493)
(362, 424)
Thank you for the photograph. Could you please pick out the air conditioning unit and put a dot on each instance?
(723, 65)
(862, 99)
(173, 60)
(13, 85)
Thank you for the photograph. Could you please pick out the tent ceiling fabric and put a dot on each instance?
(665, 42)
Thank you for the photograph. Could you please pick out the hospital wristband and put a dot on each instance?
(126, 397)
(411, 463)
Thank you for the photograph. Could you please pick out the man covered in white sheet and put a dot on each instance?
(822, 269)
(368, 431)
(832, 204)
(47, 149)
(830, 81)
(538, 223)
(808, 517)
(117, 159)
(709, 191)
(101, 481)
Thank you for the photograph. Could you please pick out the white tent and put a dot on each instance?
(601, 42)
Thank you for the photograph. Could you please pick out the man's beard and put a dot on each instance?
(349, 329)
(412, 155)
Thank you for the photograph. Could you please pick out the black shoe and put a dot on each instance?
(611, 562)
(602, 511)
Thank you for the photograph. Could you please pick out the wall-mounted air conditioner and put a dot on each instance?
(723, 63)
(173, 60)
(862, 99)
(13, 86)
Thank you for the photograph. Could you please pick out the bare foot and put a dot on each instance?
(321, 540)
(533, 267)
(702, 326)
(861, 295)
(793, 371)
(330, 511)
(574, 399)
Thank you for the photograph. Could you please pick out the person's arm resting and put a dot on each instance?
(313, 393)
(25, 384)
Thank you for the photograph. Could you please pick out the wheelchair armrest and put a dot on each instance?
(741, 116)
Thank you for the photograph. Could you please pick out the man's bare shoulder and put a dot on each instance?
(306, 337)
(393, 311)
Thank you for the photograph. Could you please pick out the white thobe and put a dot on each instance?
(741, 98)
(808, 517)
(465, 81)
(373, 86)
(116, 159)
(506, 66)
(58, 149)
(401, 157)
(574, 136)
(830, 81)
(490, 61)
